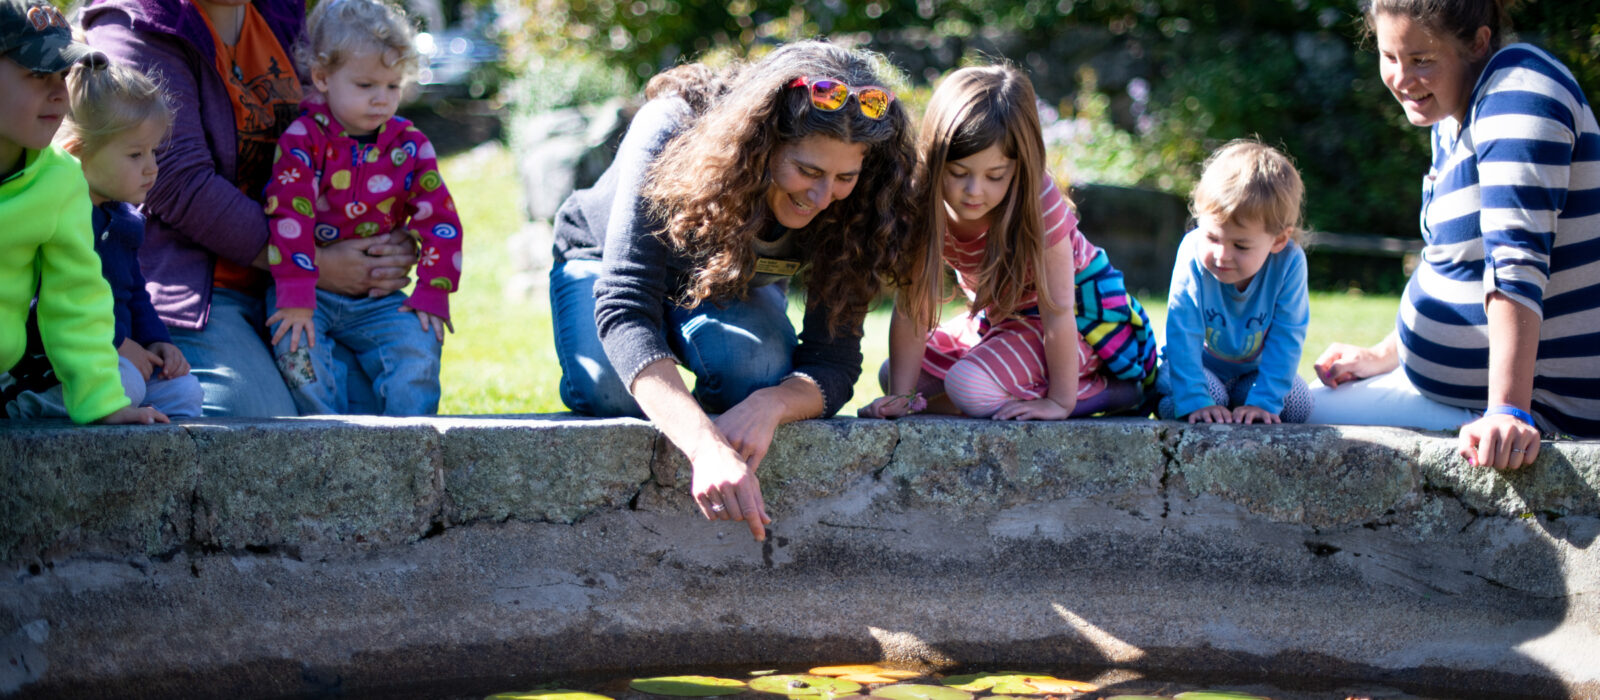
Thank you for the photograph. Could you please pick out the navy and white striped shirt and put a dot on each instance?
(1512, 204)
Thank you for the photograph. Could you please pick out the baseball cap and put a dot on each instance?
(35, 34)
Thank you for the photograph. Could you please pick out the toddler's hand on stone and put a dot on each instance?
(1254, 414)
(1211, 414)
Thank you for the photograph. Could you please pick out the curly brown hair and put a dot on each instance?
(972, 109)
(709, 185)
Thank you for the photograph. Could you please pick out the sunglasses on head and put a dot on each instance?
(830, 94)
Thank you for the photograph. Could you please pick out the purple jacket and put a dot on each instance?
(195, 211)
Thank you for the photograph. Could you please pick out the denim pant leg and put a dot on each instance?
(589, 384)
(178, 397)
(231, 360)
(313, 380)
(394, 349)
(734, 348)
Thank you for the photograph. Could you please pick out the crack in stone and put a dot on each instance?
(843, 526)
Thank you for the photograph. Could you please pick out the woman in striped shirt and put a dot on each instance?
(1496, 330)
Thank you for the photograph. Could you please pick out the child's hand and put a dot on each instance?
(1254, 414)
(1037, 409)
(431, 322)
(131, 415)
(143, 359)
(894, 406)
(1211, 414)
(173, 363)
(296, 322)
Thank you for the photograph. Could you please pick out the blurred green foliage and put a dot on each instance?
(1142, 97)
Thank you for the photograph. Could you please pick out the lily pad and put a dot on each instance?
(1216, 695)
(982, 681)
(546, 695)
(915, 691)
(764, 672)
(845, 670)
(1041, 685)
(687, 686)
(1138, 697)
(801, 684)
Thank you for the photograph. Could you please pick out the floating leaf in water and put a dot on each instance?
(914, 691)
(1134, 697)
(1216, 695)
(983, 681)
(869, 678)
(687, 686)
(1041, 685)
(547, 695)
(803, 684)
(766, 672)
(855, 672)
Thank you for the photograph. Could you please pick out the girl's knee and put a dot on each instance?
(973, 390)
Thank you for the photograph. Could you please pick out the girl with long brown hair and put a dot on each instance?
(728, 185)
(1049, 332)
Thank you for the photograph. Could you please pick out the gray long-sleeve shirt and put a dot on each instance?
(643, 275)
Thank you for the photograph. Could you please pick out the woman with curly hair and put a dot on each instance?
(726, 186)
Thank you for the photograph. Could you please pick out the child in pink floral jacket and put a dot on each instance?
(350, 167)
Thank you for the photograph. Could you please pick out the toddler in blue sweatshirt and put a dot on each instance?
(1237, 308)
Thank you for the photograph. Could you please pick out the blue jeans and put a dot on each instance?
(231, 360)
(234, 366)
(389, 345)
(178, 397)
(733, 349)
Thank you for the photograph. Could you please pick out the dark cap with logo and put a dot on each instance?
(35, 34)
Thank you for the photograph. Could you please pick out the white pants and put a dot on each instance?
(1385, 399)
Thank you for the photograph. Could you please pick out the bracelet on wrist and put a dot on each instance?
(1513, 411)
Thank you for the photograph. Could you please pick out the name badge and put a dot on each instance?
(774, 266)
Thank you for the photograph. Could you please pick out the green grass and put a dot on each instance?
(501, 358)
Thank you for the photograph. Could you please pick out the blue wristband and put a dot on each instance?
(1512, 411)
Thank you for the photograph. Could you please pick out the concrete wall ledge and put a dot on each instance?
(251, 558)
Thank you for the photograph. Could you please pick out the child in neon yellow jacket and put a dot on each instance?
(46, 249)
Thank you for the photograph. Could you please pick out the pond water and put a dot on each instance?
(1108, 684)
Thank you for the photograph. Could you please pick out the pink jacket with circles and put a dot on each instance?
(327, 186)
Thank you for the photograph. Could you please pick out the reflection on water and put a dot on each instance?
(1109, 683)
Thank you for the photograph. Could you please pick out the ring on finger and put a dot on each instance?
(1515, 450)
(716, 508)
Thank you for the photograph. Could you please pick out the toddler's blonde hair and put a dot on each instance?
(339, 29)
(1247, 180)
(107, 100)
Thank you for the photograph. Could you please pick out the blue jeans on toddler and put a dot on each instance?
(389, 345)
(732, 348)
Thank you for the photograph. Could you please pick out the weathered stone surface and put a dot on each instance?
(807, 460)
(1294, 551)
(121, 487)
(984, 465)
(556, 469)
(1321, 476)
(324, 482)
(1563, 480)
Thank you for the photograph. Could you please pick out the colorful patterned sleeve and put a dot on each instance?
(433, 220)
(291, 248)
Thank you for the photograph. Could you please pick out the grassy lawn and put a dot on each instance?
(501, 358)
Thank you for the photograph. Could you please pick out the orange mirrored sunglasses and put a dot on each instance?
(830, 94)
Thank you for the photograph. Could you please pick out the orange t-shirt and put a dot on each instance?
(266, 96)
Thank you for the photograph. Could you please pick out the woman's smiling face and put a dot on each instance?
(1429, 73)
(810, 174)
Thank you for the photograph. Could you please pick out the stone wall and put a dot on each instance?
(266, 558)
